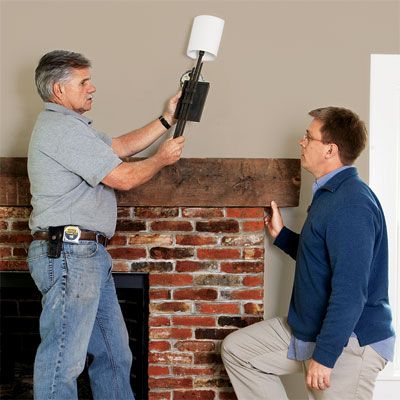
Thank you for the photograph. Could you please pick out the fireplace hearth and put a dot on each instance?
(20, 304)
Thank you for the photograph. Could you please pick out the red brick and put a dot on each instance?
(3, 225)
(127, 253)
(192, 266)
(165, 253)
(151, 239)
(194, 395)
(217, 226)
(171, 226)
(242, 267)
(253, 280)
(121, 267)
(170, 333)
(15, 212)
(160, 395)
(156, 370)
(127, 225)
(254, 308)
(217, 280)
(207, 358)
(202, 212)
(160, 294)
(245, 212)
(238, 322)
(5, 252)
(13, 265)
(243, 240)
(192, 371)
(195, 294)
(124, 213)
(170, 358)
(195, 345)
(253, 294)
(189, 320)
(253, 253)
(20, 226)
(215, 334)
(218, 254)
(15, 238)
(159, 321)
(152, 266)
(20, 252)
(156, 212)
(195, 240)
(156, 345)
(118, 240)
(218, 308)
(170, 279)
(253, 226)
(227, 395)
(211, 382)
(169, 307)
(171, 383)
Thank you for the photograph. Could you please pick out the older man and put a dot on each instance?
(73, 171)
(338, 331)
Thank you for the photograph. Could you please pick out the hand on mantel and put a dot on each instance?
(274, 221)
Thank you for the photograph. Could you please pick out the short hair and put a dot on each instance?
(56, 66)
(344, 128)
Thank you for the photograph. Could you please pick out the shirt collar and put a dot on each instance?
(320, 182)
(66, 111)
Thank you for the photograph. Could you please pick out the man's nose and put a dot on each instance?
(92, 88)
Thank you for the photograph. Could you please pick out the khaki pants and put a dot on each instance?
(256, 356)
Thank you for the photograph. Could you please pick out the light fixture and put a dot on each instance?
(203, 45)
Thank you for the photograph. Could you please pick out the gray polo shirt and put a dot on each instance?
(67, 160)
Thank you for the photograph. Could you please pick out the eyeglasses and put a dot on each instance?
(308, 138)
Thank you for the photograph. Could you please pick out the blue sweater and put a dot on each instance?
(341, 279)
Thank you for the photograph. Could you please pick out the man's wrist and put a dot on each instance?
(164, 121)
(169, 118)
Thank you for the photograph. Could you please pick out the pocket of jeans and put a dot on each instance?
(46, 272)
(37, 249)
(83, 250)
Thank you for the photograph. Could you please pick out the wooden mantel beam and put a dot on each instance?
(191, 182)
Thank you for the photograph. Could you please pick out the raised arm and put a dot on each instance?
(139, 139)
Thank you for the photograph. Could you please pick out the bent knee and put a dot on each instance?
(230, 344)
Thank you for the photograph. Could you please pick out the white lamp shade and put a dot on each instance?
(206, 36)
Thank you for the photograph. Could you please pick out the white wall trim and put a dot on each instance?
(384, 179)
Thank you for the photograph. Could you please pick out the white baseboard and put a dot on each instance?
(387, 390)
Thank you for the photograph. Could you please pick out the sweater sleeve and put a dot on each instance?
(288, 241)
(350, 238)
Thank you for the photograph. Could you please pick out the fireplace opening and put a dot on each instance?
(20, 305)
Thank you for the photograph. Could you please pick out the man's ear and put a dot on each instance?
(57, 90)
(333, 151)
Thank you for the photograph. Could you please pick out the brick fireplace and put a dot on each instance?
(197, 230)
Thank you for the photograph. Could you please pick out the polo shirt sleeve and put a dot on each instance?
(81, 150)
(350, 238)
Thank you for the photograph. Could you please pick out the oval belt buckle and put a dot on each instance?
(72, 234)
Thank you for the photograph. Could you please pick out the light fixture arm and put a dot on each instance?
(188, 96)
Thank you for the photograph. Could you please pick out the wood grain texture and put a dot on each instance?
(191, 182)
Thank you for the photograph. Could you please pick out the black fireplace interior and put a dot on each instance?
(19, 333)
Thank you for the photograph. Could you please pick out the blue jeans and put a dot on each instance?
(81, 315)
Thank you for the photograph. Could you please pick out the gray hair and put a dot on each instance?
(54, 67)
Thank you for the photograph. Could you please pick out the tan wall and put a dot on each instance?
(277, 60)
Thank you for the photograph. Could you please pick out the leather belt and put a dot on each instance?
(85, 235)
